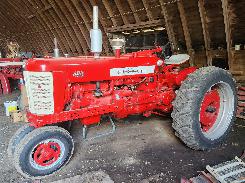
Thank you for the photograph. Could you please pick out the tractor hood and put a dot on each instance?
(86, 69)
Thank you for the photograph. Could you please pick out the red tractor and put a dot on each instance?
(10, 68)
(202, 102)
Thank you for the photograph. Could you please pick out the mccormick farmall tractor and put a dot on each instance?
(202, 102)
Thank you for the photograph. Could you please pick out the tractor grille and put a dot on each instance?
(39, 87)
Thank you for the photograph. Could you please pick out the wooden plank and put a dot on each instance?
(132, 7)
(205, 30)
(110, 12)
(83, 32)
(73, 31)
(148, 12)
(48, 21)
(39, 41)
(186, 30)
(120, 9)
(227, 22)
(169, 26)
(61, 25)
(136, 26)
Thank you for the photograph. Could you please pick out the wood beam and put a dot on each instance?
(186, 30)
(110, 12)
(64, 22)
(75, 33)
(19, 23)
(140, 25)
(120, 9)
(80, 30)
(133, 9)
(46, 21)
(206, 35)
(60, 26)
(45, 33)
(148, 11)
(169, 26)
(228, 32)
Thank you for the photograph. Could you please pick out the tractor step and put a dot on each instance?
(229, 172)
(98, 135)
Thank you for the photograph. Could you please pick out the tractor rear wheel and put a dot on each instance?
(43, 151)
(205, 107)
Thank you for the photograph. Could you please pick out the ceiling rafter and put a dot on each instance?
(40, 35)
(147, 9)
(186, 30)
(56, 27)
(206, 35)
(110, 12)
(84, 29)
(120, 9)
(169, 25)
(12, 22)
(228, 30)
(70, 25)
(44, 22)
(80, 44)
(62, 25)
(133, 9)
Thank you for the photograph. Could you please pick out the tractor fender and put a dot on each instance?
(4, 84)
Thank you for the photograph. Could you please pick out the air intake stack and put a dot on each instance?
(56, 49)
(96, 35)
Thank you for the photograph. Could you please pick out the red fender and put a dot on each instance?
(4, 84)
(183, 74)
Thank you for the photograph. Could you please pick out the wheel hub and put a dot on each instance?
(47, 153)
(209, 109)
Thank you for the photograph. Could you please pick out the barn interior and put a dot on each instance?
(211, 32)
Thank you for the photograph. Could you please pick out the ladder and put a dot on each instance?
(229, 172)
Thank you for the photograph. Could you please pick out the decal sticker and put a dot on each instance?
(78, 74)
(128, 71)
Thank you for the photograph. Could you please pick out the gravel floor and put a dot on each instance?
(141, 150)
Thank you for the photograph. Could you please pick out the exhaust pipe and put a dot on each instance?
(56, 49)
(96, 34)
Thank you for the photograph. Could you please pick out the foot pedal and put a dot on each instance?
(109, 132)
(229, 172)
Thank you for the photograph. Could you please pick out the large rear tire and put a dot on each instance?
(205, 107)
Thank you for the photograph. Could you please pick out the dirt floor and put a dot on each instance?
(141, 150)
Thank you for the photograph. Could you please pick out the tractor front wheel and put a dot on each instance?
(204, 108)
(43, 151)
(17, 137)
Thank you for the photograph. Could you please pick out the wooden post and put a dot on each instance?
(186, 31)
(205, 30)
(227, 22)
(169, 27)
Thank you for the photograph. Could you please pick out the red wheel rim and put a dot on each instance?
(209, 110)
(47, 153)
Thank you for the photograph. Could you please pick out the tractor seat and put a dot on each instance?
(177, 59)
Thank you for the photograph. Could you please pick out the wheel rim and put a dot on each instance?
(216, 110)
(210, 108)
(47, 154)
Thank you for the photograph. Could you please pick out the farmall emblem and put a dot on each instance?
(78, 74)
